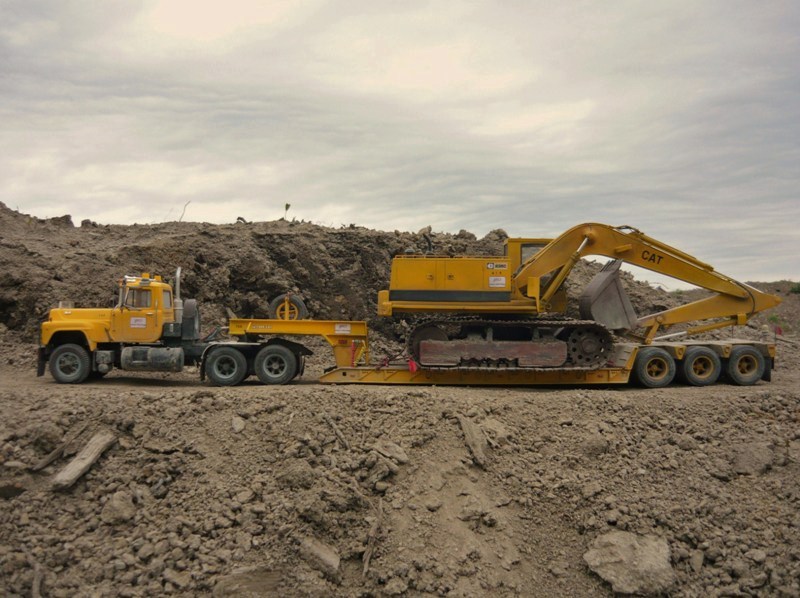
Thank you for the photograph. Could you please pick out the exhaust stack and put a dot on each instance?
(178, 300)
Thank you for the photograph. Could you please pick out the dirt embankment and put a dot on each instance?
(309, 490)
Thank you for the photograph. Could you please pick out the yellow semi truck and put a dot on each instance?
(151, 329)
(498, 320)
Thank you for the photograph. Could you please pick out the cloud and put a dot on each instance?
(680, 119)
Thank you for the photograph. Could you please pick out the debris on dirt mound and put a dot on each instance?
(237, 267)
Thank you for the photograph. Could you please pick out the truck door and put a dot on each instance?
(135, 320)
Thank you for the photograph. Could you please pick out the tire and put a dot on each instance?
(654, 368)
(70, 364)
(745, 366)
(226, 366)
(190, 324)
(297, 309)
(701, 366)
(276, 364)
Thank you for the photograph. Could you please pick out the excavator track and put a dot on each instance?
(471, 343)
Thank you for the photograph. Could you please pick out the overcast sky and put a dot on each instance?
(680, 118)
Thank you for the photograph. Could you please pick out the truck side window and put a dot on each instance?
(138, 298)
(167, 300)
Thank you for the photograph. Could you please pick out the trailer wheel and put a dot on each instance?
(226, 366)
(70, 364)
(701, 366)
(745, 366)
(293, 309)
(275, 364)
(654, 368)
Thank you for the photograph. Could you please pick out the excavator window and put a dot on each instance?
(529, 249)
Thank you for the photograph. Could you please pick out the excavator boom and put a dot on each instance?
(734, 301)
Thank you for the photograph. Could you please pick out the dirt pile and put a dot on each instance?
(287, 489)
(238, 266)
(366, 491)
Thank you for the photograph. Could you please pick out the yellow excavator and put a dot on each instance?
(507, 311)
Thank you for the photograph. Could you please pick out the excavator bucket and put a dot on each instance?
(605, 301)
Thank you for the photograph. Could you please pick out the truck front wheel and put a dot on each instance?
(70, 364)
(226, 366)
(275, 364)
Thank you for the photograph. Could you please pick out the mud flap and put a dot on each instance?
(605, 301)
(770, 365)
(41, 361)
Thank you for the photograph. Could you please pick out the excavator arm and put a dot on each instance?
(543, 274)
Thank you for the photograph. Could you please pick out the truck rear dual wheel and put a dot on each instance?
(275, 364)
(701, 366)
(745, 365)
(226, 366)
(70, 364)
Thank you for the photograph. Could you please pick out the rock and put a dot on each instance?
(237, 424)
(180, 579)
(433, 504)
(594, 445)
(396, 586)
(753, 458)
(558, 568)
(696, 560)
(591, 489)
(382, 469)
(737, 568)
(471, 510)
(146, 551)
(631, 563)
(245, 496)
(756, 555)
(17, 465)
(495, 430)
(390, 450)
(298, 474)
(248, 582)
(321, 557)
(119, 508)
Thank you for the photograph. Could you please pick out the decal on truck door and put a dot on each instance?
(138, 322)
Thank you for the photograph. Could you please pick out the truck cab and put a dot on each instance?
(144, 306)
(145, 330)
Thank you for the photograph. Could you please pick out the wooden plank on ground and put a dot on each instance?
(475, 440)
(84, 460)
(57, 452)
